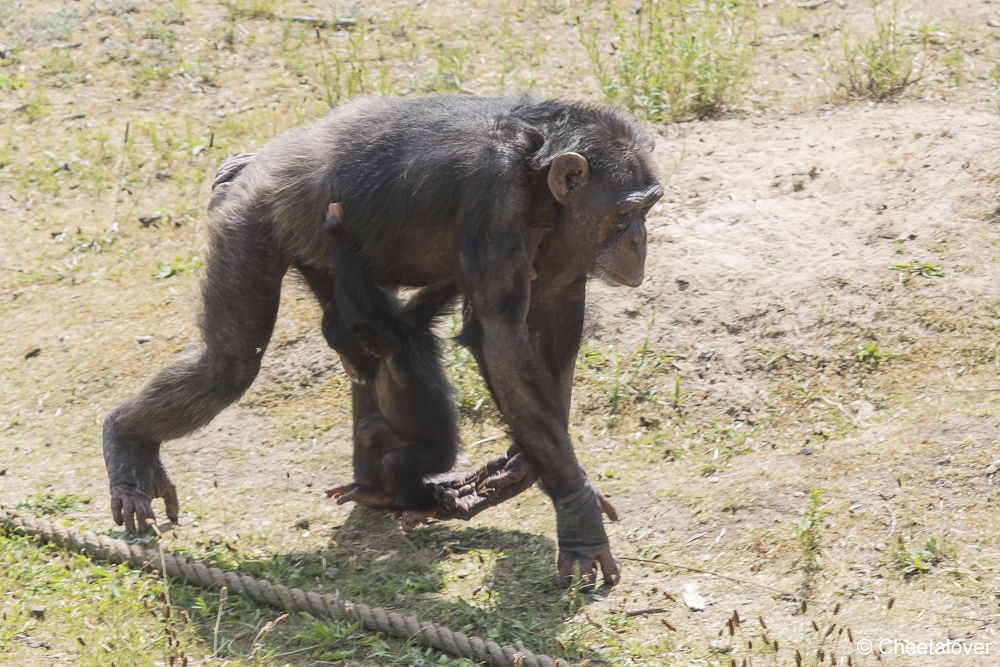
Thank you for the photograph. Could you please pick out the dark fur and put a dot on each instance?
(436, 191)
(415, 433)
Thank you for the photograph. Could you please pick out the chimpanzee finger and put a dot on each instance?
(143, 511)
(573, 569)
(128, 509)
(116, 510)
(172, 506)
(504, 479)
(610, 566)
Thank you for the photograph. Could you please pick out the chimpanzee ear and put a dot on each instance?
(568, 174)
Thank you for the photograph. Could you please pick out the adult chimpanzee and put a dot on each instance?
(513, 201)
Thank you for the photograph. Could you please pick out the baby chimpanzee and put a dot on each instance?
(412, 433)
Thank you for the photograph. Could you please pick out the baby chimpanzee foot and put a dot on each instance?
(363, 494)
(410, 519)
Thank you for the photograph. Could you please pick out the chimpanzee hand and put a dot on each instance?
(128, 501)
(583, 544)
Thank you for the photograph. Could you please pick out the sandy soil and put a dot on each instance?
(777, 238)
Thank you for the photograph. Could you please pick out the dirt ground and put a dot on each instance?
(798, 404)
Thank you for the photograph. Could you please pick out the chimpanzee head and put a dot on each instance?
(605, 188)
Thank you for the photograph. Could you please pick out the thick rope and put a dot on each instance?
(373, 619)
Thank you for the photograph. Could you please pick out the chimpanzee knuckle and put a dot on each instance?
(128, 513)
(116, 511)
(171, 503)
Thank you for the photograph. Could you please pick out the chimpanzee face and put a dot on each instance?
(612, 210)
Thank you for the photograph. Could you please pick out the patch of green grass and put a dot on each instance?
(954, 61)
(913, 562)
(626, 379)
(351, 72)
(809, 531)
(178, 266)
(916, 267)
(673, 59)
(44, 28)
(790, 17)
(292, 37)
(47, 502)
(93, 242)
(106, 615)
(452, 64)
(37, 106)
(880, 65)
(10, 81)
(472, 396)
(59, 63)
(256, 9)
(870, 353)
(621, 379)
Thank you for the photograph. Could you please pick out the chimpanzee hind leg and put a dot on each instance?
(241, 291)
(373, 440)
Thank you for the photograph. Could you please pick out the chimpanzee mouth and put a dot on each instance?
(613, 279)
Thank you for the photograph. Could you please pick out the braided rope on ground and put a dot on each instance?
(373, 619)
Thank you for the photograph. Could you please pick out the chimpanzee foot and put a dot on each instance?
(410, 519)
(132, 507)
(499, 480)
(363, 494)
(581, 565)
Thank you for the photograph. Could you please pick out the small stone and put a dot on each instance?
(37, 610)
(163, 175)
(331, 573)
(649, 421)
(992, 468)
(150, 218)
(143, 339)
(692, 598)
(720, 646)
(993, 23)
(302, 524)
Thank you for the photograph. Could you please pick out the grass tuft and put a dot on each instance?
(809, 531)
(674, 60)
(178, 266)
(47, 502)
(916, 267)
(882, 64)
